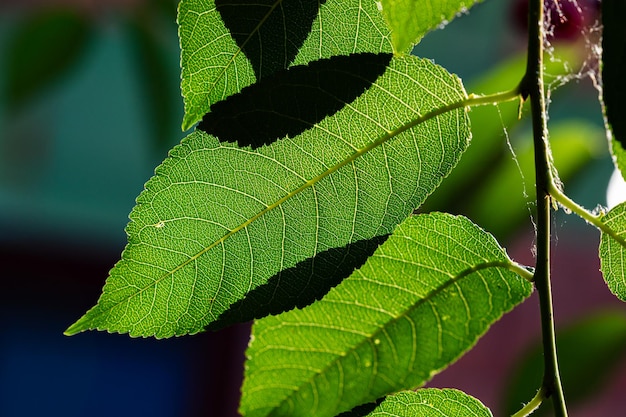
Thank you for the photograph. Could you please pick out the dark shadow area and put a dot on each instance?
(291, 101)
(300, 285)
(361, 410)
(269, 32)
(613, 64)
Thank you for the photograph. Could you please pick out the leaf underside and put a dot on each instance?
(416, 305)
(612, 253)
(430, 402)
(217, 220)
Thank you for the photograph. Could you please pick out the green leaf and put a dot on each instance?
(613, 253)
(410, 20)
(43, 49)
(430, 402)
(424, 298)
(588, 352)
(613, 63)
(216, 65)
(217, 220)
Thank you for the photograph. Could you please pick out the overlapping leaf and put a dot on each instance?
(613, 253)
(410, 20)
(217, 220)
(417, 304)
(228, 44)
(430, 402)
(613, 62)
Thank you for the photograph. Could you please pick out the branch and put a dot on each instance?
(533, 87)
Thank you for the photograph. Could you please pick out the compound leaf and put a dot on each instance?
(218, 220)
(425, 297)
(613, 253)
(410, 20)
(228, 44)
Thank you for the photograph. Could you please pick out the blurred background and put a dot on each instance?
(89, 106)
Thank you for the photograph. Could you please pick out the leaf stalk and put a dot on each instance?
(594, 219)
(533, 404)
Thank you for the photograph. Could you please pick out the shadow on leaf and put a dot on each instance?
(292, 101)
(300, 285)
(269, 32)
(362, 410)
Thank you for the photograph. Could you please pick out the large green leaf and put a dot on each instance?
(430, 402)
(416, 305)
(226, 45)
(217, 220)
(410, 20)
(613, 253)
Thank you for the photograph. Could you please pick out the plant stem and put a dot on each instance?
(530, 408)
(533, 87)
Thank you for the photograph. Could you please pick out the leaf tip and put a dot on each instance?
(191, 117)
(79, 326)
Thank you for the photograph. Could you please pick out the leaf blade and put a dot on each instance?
(410, 20)
(430, 402)
(217, 220)
(612, 252)
(419, 302)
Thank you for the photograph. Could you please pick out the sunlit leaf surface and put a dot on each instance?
(613, 253)
(410, 20)
(218, 220)
(416, 305)
(430, 402)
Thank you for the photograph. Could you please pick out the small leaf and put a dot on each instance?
(423, 299)
(215, 66)
(410, 20)
(430, 402)
(613, 253)
(588, 352)
(218, 221)
(43, 49)
(613, 64)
